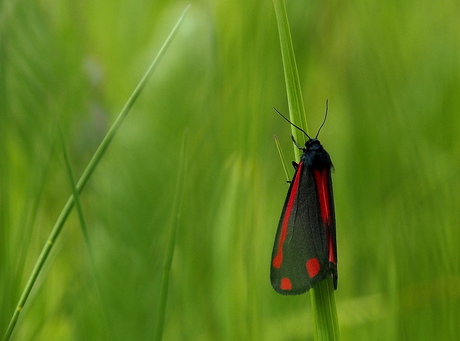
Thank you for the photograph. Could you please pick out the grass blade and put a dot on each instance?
(283, 159)
(81, 218)
(175, 217)
(75, 193)
(84, 179)
(322, 296)
(291, 77)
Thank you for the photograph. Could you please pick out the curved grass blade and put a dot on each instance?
(83, 224)
(84, 179)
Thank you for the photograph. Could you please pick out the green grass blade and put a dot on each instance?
(75, 193)
(283, 159)
(291, 77)
(175, 218)
(84, 179)
(82, 219)
(322, 296)
(324, 311)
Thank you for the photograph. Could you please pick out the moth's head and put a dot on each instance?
(313, 144)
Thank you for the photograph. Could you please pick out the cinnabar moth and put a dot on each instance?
(305, 250)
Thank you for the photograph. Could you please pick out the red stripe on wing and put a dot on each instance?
(331, 250)
(278, 259)
(323, 195)
(322, 185)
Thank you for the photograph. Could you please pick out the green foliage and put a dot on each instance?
(391, 73)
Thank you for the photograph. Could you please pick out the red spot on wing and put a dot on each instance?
(313, 267)
(278, 259)
(285, 284)
(322, 186)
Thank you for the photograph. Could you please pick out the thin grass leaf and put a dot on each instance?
(75, 193)
(84, 179)
(82, 220)
(322, 296)
(291, 77)
(175, 219)
(283, 159)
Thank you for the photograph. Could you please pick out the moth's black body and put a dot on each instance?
(305, 250)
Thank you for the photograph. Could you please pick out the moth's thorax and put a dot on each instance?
(315, 156)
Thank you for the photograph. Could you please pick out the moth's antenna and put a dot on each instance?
(324, 121)
(303, 131)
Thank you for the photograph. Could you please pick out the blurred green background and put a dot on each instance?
(391, 72)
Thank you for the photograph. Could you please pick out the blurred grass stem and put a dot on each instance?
(84, 179)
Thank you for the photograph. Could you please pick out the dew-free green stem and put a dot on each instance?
(75, 193)
(81, 217)
(324, 311)
(175, 216)
(84, 179)
(283, 159)
(322, 296)
(291, 77)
